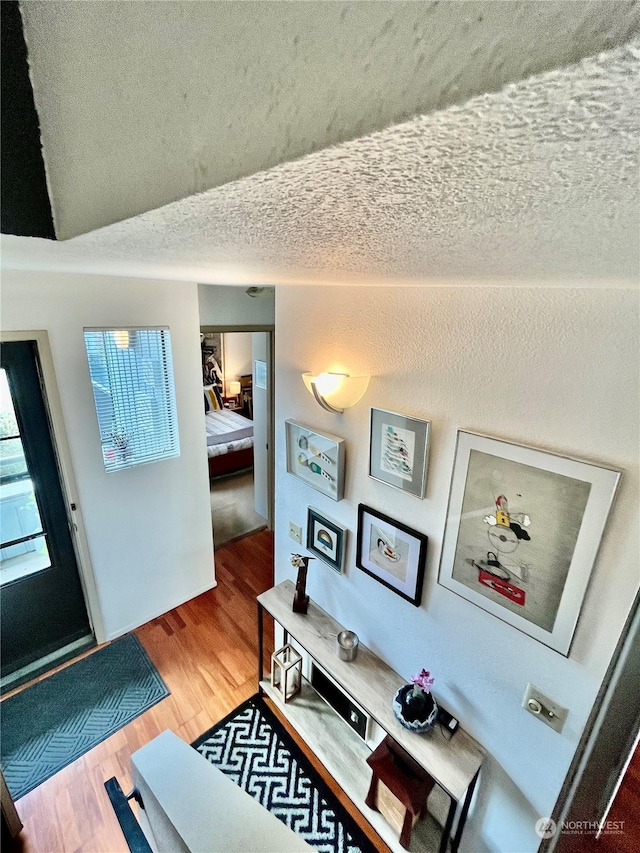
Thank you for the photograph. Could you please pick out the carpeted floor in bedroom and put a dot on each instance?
(232, 512)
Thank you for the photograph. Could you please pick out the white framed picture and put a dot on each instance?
(522, 533)
(316, 458)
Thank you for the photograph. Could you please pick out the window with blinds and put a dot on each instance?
(132, 379)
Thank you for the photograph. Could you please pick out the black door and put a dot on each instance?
(41, 600)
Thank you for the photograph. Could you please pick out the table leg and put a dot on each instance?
(446, 831)
(372, 796)
(260, 646)
(407, 826)
(463, 814)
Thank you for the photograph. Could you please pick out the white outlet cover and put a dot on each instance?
(544, 707)
(295, 532)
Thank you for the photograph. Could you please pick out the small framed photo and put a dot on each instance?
(522, 533)
(260, 374)
(316, 458)
(398, 450)
(392, 553)
(326, 539)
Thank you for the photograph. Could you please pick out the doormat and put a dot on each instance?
(253, 748)
(47, 726)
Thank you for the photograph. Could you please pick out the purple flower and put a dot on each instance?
(422, 681)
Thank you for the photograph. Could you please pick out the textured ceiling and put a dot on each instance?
(145, 103)
(535, 183)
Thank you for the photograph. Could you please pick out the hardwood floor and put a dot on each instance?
(622, 831)
(206, 652)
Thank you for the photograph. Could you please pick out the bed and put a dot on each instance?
(229, 441)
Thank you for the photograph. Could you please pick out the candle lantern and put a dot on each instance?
(286, 672)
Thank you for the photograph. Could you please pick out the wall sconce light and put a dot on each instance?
(336, 392)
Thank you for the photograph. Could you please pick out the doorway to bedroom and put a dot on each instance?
(236, 367)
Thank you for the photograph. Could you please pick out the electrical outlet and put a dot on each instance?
(295, 533)
(542, 706)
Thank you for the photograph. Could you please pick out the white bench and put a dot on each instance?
(189, 806)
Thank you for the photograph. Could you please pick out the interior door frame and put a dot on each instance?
(62, 451)
(270, 330)
(604, 749)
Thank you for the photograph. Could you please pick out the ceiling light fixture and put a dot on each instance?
(336, 392)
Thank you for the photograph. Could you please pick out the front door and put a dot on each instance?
(42, 604)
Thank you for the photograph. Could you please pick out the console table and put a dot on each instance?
(454, 764)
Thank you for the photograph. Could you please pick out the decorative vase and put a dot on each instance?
(301, 599)
(416, 711)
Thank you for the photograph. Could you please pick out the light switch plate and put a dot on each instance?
(544, 707)
(295, 532)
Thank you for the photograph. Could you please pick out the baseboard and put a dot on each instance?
(113, 635)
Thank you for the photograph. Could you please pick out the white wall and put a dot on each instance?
(237, 355)
(149, 527)
(222, 305)
(556, 369)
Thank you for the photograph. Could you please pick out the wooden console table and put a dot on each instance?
(454, 764)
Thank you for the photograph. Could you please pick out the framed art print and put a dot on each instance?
(398, 449)
(316, 458)
(326, 539)
(391, 552)
(522, 533)
(212, 348)
(260, 374)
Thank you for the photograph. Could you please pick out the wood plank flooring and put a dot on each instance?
(622, 831)
(206, 652)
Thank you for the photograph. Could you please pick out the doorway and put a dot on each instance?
(238, 363)
(43, 610)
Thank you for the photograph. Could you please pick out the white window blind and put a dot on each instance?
(132, 379)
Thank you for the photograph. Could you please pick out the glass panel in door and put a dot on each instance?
(23, 544)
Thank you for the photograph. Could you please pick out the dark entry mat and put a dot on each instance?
(47, 726)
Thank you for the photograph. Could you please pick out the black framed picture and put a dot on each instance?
(391, 552)
(326, 539)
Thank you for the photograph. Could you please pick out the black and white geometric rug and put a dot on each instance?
(253, 748)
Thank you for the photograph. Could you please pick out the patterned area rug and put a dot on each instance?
(253, 748)
(47, 726)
